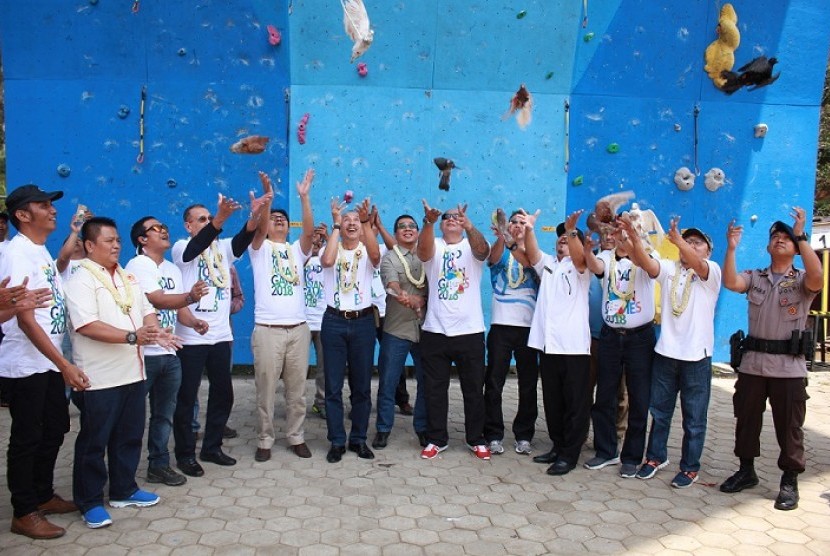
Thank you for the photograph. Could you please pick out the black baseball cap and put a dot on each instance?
(560, 231)
(30, 193)
(779, 226)
(699, 233)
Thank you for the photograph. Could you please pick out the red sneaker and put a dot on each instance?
(432, 450)
(481, 451)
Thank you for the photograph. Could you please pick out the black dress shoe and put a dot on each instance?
(190, 467)
(547, 457)
(362, 450)
(262, 454)
(219, 458)
(422, 439)
(560, 467)
(406, 408)
(335, 453)
(228, 432)
(788, 495)
(381, 439)
(744, 478)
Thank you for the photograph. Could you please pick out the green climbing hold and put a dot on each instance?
(521, 14)
(577, 181)
(548, 75)
(588, 37)
(613, 148)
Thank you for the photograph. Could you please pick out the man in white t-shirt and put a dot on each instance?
(561, 332)
(161, 282)
(110, 319)
(281, 338)
(33, 369)
(348, 330)
(453, 331)
(689, 291)
(626, 342)
(315, 306)
(206, 257)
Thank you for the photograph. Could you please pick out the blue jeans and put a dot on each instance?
(164, 376)
(112, 424)
(693, 379)
(349, 341)
(391, 361)
(634, 352)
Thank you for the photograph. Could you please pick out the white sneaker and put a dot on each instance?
(496, 447)
(523, 447)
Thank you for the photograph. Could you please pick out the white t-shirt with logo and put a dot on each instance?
(454, 277)
(19, 357)
(618, 312)
(342, 291)
(152, 277)
(215, 307)
(315, 299)
(378, 291)
(278, 300)
(691, 335)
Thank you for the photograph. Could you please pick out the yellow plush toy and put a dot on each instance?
(720, 55)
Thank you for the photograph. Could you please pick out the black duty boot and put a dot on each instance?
(744, 478)
(788, 495)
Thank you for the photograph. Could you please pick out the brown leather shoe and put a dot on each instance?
(35, 526)
(301, 450)
(262, 454)
(57, 505)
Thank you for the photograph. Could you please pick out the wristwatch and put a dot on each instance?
(512, 247)
(132, 338)
(573, 233)
(802, 237)
(335, 227)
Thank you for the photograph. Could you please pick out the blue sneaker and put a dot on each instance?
(97, 517)
(140, 498)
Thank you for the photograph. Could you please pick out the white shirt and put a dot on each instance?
(454, 278)
(560, 321)
(70, 269)
(337, 280)
(378, 291)
(315, 299)
(152, 277)
(215, 307)
(276, 299)
(512, 306)
(88, 300)
(691, 335)
(19, 357)
(617, 312)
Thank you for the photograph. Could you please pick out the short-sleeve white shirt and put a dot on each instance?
(19, 358)
(560, 321)
(378, 291)
(338, 282)
(454, 278)
(616, 311)
(315, 299)
(152, 277)
(276, 299)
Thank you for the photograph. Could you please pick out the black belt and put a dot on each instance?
(283, 326)
(627, 331)
(349, 315)
(776, 347)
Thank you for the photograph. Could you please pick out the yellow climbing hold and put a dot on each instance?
(720, 55)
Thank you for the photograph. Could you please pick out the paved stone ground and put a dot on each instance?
(400, 504)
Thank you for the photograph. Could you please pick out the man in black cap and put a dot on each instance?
(773, 364)
(33, 369)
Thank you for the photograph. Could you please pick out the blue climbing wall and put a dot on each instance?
(440, 76)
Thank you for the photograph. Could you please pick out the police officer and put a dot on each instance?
(773, 364)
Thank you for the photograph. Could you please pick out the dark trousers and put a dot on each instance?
(40, 419)
(438, 353)
(788, 400)
(503, 344)
(112, 424)
(566, 394)
(216, 360)
(633, 351)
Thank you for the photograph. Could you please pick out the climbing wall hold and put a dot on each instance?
(579, 180)
(684, 179)
(613, 148)
(301, 128)
(64, 170)
(548, 75)
(720, 54)
(182, 52)
(588, 37)
(171, 183)
(753, 219)
(123, 111)
(362, 69)
(715, 178)
(93, 2)
(677, 127)
(521, 14)
(274, 36)
(252, 144)
(761, 130)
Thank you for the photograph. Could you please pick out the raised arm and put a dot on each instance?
(594, 264)
(370, 240)
(304, 190)
(262, 229)
(575, 247)
(635, 248)
(388, 239)
(814, 280)
(687, 253)
(478, 244)
(329, 254)
(730, 278)
(426, 239)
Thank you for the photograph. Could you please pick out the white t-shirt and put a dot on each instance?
(512, 305)
(341, 290)
(152, 277)
(88, 300)
(315, 299)
(70, 269)
(454, 278)
(560, 321)
(690, 336)
(616, 311)
(215, 307)
(19, 358)
(378, 291)
(276, 299)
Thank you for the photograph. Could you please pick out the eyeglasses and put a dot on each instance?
(451, 216)
(407, 226)
(202, 219)
(277, 218)
(158, 228)
(696, 242)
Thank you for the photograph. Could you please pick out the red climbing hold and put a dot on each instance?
(274, 36)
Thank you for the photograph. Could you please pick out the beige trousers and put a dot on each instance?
(280, 353)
